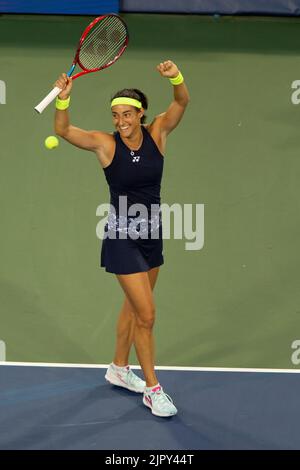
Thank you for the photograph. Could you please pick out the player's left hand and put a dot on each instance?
(168, 69)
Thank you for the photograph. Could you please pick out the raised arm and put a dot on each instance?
(89, 140)
(170, 119)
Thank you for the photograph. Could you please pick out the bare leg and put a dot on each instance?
(126, 326)
(138, 290)
(125, 334)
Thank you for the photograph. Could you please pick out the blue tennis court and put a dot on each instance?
(227, 295)
(49, 407)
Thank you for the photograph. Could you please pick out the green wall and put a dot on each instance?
(236, 302)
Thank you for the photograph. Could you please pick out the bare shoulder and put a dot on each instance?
(103, 138)
(155, 127)
(105, 147)
(157, 133)
(156, 123)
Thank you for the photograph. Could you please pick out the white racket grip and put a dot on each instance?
(48, 99)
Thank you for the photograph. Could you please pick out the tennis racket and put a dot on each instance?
(101, 44)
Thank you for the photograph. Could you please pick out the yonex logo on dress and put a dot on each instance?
(136, 158)
(2, 92)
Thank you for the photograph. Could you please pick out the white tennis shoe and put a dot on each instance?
(159, 402)
(124, 377)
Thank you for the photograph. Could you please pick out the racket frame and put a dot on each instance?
(55, 92)
(84, 35)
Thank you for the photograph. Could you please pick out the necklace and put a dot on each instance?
(133, 151)
(136, 158)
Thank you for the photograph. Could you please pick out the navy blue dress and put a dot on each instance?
(133, 234)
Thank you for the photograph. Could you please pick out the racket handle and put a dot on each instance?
(48, 99)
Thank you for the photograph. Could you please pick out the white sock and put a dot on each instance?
(149, 389)
(120, 369)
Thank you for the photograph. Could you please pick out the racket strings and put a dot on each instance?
(99, 53)
(102, 26)
(104, 42)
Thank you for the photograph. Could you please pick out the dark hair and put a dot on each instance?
(135, 94)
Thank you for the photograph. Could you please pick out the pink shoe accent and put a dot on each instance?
(121, 378)
(156, 389)
(148, 399)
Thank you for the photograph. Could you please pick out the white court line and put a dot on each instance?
(195, 369)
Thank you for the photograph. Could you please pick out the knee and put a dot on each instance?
(145, 319)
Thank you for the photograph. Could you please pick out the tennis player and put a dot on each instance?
(132, 159)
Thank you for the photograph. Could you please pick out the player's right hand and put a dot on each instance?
(65, 83)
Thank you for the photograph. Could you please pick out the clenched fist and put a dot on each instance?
(168, 69)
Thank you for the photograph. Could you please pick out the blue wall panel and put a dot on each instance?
(75, 7)
(229, 7)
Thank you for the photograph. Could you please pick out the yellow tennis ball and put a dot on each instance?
(51, 142)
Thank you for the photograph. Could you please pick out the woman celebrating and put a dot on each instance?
(132, 160)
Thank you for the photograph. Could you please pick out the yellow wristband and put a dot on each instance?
(177, 80)
(62, 104)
